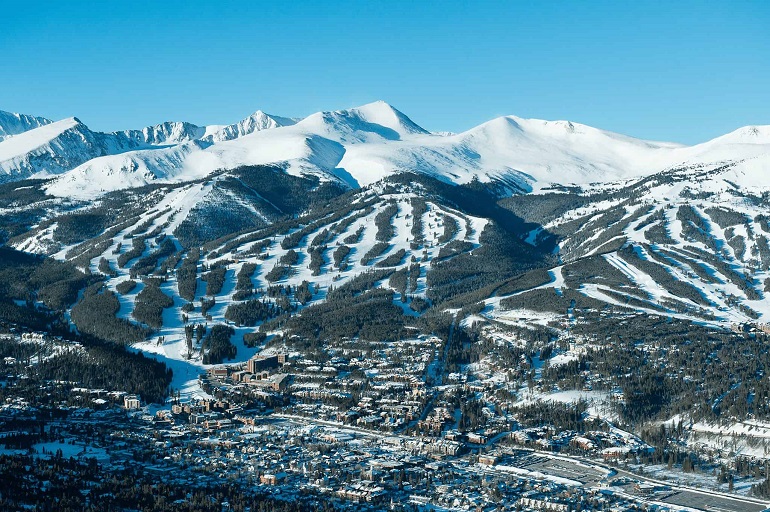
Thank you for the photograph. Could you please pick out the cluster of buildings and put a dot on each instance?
(610, 445)
(368, 425)
(259, 372)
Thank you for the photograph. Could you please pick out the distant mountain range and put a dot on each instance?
(354, 148)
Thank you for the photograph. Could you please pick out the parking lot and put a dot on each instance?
(709, 502)
(592, 477)
(557, 467)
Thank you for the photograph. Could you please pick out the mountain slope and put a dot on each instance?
(264, 249)
(256, 122)
(687, 242)
(14, 124)
(360, 146)
(39, 146)
(50, 149)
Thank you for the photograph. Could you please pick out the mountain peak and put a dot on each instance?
(385, 114)
(752, 134)
(256, 122)
(364, 144)
(13, 124)
(372, 122)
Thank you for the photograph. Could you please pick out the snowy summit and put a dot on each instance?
(356, 147)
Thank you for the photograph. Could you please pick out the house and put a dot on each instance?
(272, 478)
(132, 402)
(488, 459)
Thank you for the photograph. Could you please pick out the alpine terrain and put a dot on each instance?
(540, 283)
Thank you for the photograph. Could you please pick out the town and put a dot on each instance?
(366, 426)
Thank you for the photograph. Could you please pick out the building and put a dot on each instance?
(544, 505)
(277, 382)
(219, 372)
(272, 478)
(476, 438)
(132, 402)
(260, 363)
(488, 459)
(240, 376)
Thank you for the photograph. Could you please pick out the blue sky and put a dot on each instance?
(681, 71)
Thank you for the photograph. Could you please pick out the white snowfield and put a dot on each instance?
(360, 146)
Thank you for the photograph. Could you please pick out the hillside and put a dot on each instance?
(354, 147)
(522, 240)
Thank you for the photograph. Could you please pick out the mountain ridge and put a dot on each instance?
(356, 147)
(13, 124)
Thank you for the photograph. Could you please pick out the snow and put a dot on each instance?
(255, 122)
(173, 206)
(598, 401)
(562, 359)
(539, 475)
(360, 146)
(125, 170)
(31, 140)
(71, 450)
(13, 124)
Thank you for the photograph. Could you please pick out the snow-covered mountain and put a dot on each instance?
(358, 225)
(365, 199)
(51, 149)
(14, 124)
(256, 122)
(37, 146)
(355, 147)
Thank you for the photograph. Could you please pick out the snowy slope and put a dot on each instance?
(14, 124)
(690, 242)
(30, 145)
(542, 152)
(51, 149)
(181, 132)
(164, 133)
(164, 210)
(256, 122)
(362, 145)
(125, 170)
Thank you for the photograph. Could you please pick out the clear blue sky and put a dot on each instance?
(669, 70)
